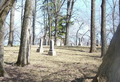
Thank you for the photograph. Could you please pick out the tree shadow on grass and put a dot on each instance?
(84, 74)
(9, 63)
(81, 79)
(15, 75)
(72, 49)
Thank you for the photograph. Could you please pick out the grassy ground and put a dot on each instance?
(72, 64)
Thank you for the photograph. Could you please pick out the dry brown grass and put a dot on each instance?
(72, 64)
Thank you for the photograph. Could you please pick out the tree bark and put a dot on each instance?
(57, 4)
(77, 33)
(109, 70)
(103, 28)
(49, 20)
(56, 20)
(119, 11)
(70, 5)
(5, 6)
(22, 60)
(21, 12)
(45, 28)
(93, 43)
(28, 45)
(113, 16)
(34, 20)
(11, 36)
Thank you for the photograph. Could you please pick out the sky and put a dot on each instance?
(81, 14)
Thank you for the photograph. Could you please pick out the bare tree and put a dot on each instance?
(77, 33)
(24, 47)
(56, 20)
(22, 8)
(109, 70)
(119, 11)
(5, 6)
(34, 20)
(113, 5)
(45, 27)
(70, 4)
(103, 28)
(113, 14)
(12, 14)
(93, 41)
(49, 19)
(57, 4)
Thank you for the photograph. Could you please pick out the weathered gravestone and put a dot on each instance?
(40, 49)
(52, 52)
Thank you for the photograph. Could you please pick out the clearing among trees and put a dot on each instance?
(72, 64)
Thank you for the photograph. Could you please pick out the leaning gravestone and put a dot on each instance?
(40, 49)
(52, 52)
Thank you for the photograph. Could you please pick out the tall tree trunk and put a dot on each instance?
(103, 28)
(34, 20)
(49, 20)
(49, 28)
(56, 28)
(22, 60)
(119, 11)
(93, 43)
(109, 70)
(5, 6)
(113, 15)
(77, 33)
(45, 28)
(70, 5)
(28, 45)
(56, 20)
(67, 24)
(57, 4)
(21, 12)
(11, 36)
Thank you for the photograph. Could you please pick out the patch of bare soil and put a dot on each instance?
(72, 64)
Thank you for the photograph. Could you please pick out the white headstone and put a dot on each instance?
(58, 42)
(40, 49)
(52, 52)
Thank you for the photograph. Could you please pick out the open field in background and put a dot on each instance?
(72, 64)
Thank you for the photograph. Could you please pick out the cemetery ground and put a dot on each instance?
(72, 64)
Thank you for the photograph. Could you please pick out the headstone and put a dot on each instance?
(40, 49)
(58, 42)
(52, 52)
